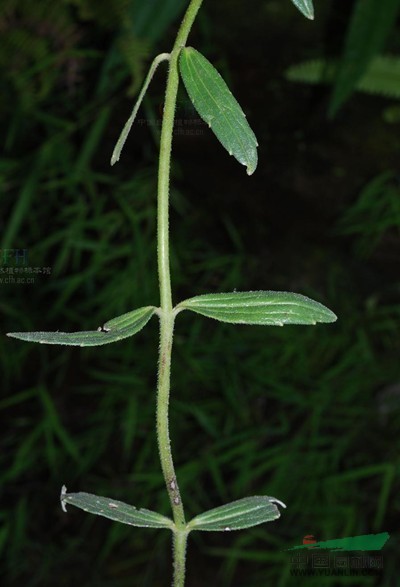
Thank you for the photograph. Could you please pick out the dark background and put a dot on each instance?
(309, 415)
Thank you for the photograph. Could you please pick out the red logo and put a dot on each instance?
(309, 539)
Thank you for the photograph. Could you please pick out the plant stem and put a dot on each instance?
(179, 550)
(166, 308)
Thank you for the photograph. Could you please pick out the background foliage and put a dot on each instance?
(309, 415)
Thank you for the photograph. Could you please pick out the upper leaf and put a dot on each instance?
(267, 308)
(306, 7)
(112, 331)
(237, 515)
(115, 510)
(128, 125)
(218, 108)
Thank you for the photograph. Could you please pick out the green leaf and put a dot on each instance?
(306, 7)
(237, 515)
(112, 331)
(130, 320)
(267, 308)
(128, 125)
(218, 108)
(114, 510)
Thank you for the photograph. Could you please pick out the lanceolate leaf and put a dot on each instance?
(306, 7)
(115, 510)
(238, 515)
(112, 331)
(267, 308)
(128, 125)
(218, 108)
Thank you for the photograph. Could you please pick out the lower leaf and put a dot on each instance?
(112, 331)
(115, 510)
(238, 515)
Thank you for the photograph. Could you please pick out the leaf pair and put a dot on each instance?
(237, 515)
(214, 103)
(264, 308)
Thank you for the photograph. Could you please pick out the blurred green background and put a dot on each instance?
(310, 415)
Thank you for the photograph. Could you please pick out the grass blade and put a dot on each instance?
(366, 36)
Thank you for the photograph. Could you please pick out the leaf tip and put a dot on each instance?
(15, 335)
(331, 317)
(274, 500)
(62, 498)
(251, 169)
(306, 7)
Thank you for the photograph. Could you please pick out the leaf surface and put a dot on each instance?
(217, 106)
(114, 330)
(115, 510)
(237, 515)
(266, 308)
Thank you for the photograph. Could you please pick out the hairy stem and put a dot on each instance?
(166, 309)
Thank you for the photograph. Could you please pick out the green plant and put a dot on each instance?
(369, 28)
(382, 76)
(216, 105)
(360, 66)
(374, 215)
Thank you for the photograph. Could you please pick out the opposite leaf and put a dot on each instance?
(237, 515)
(112, 331)
(218, 108)
(115, 510)
(306, 7)
(266, 308)
(128, 125)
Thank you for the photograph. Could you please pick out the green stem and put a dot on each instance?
(166, 309)
(179, 550)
